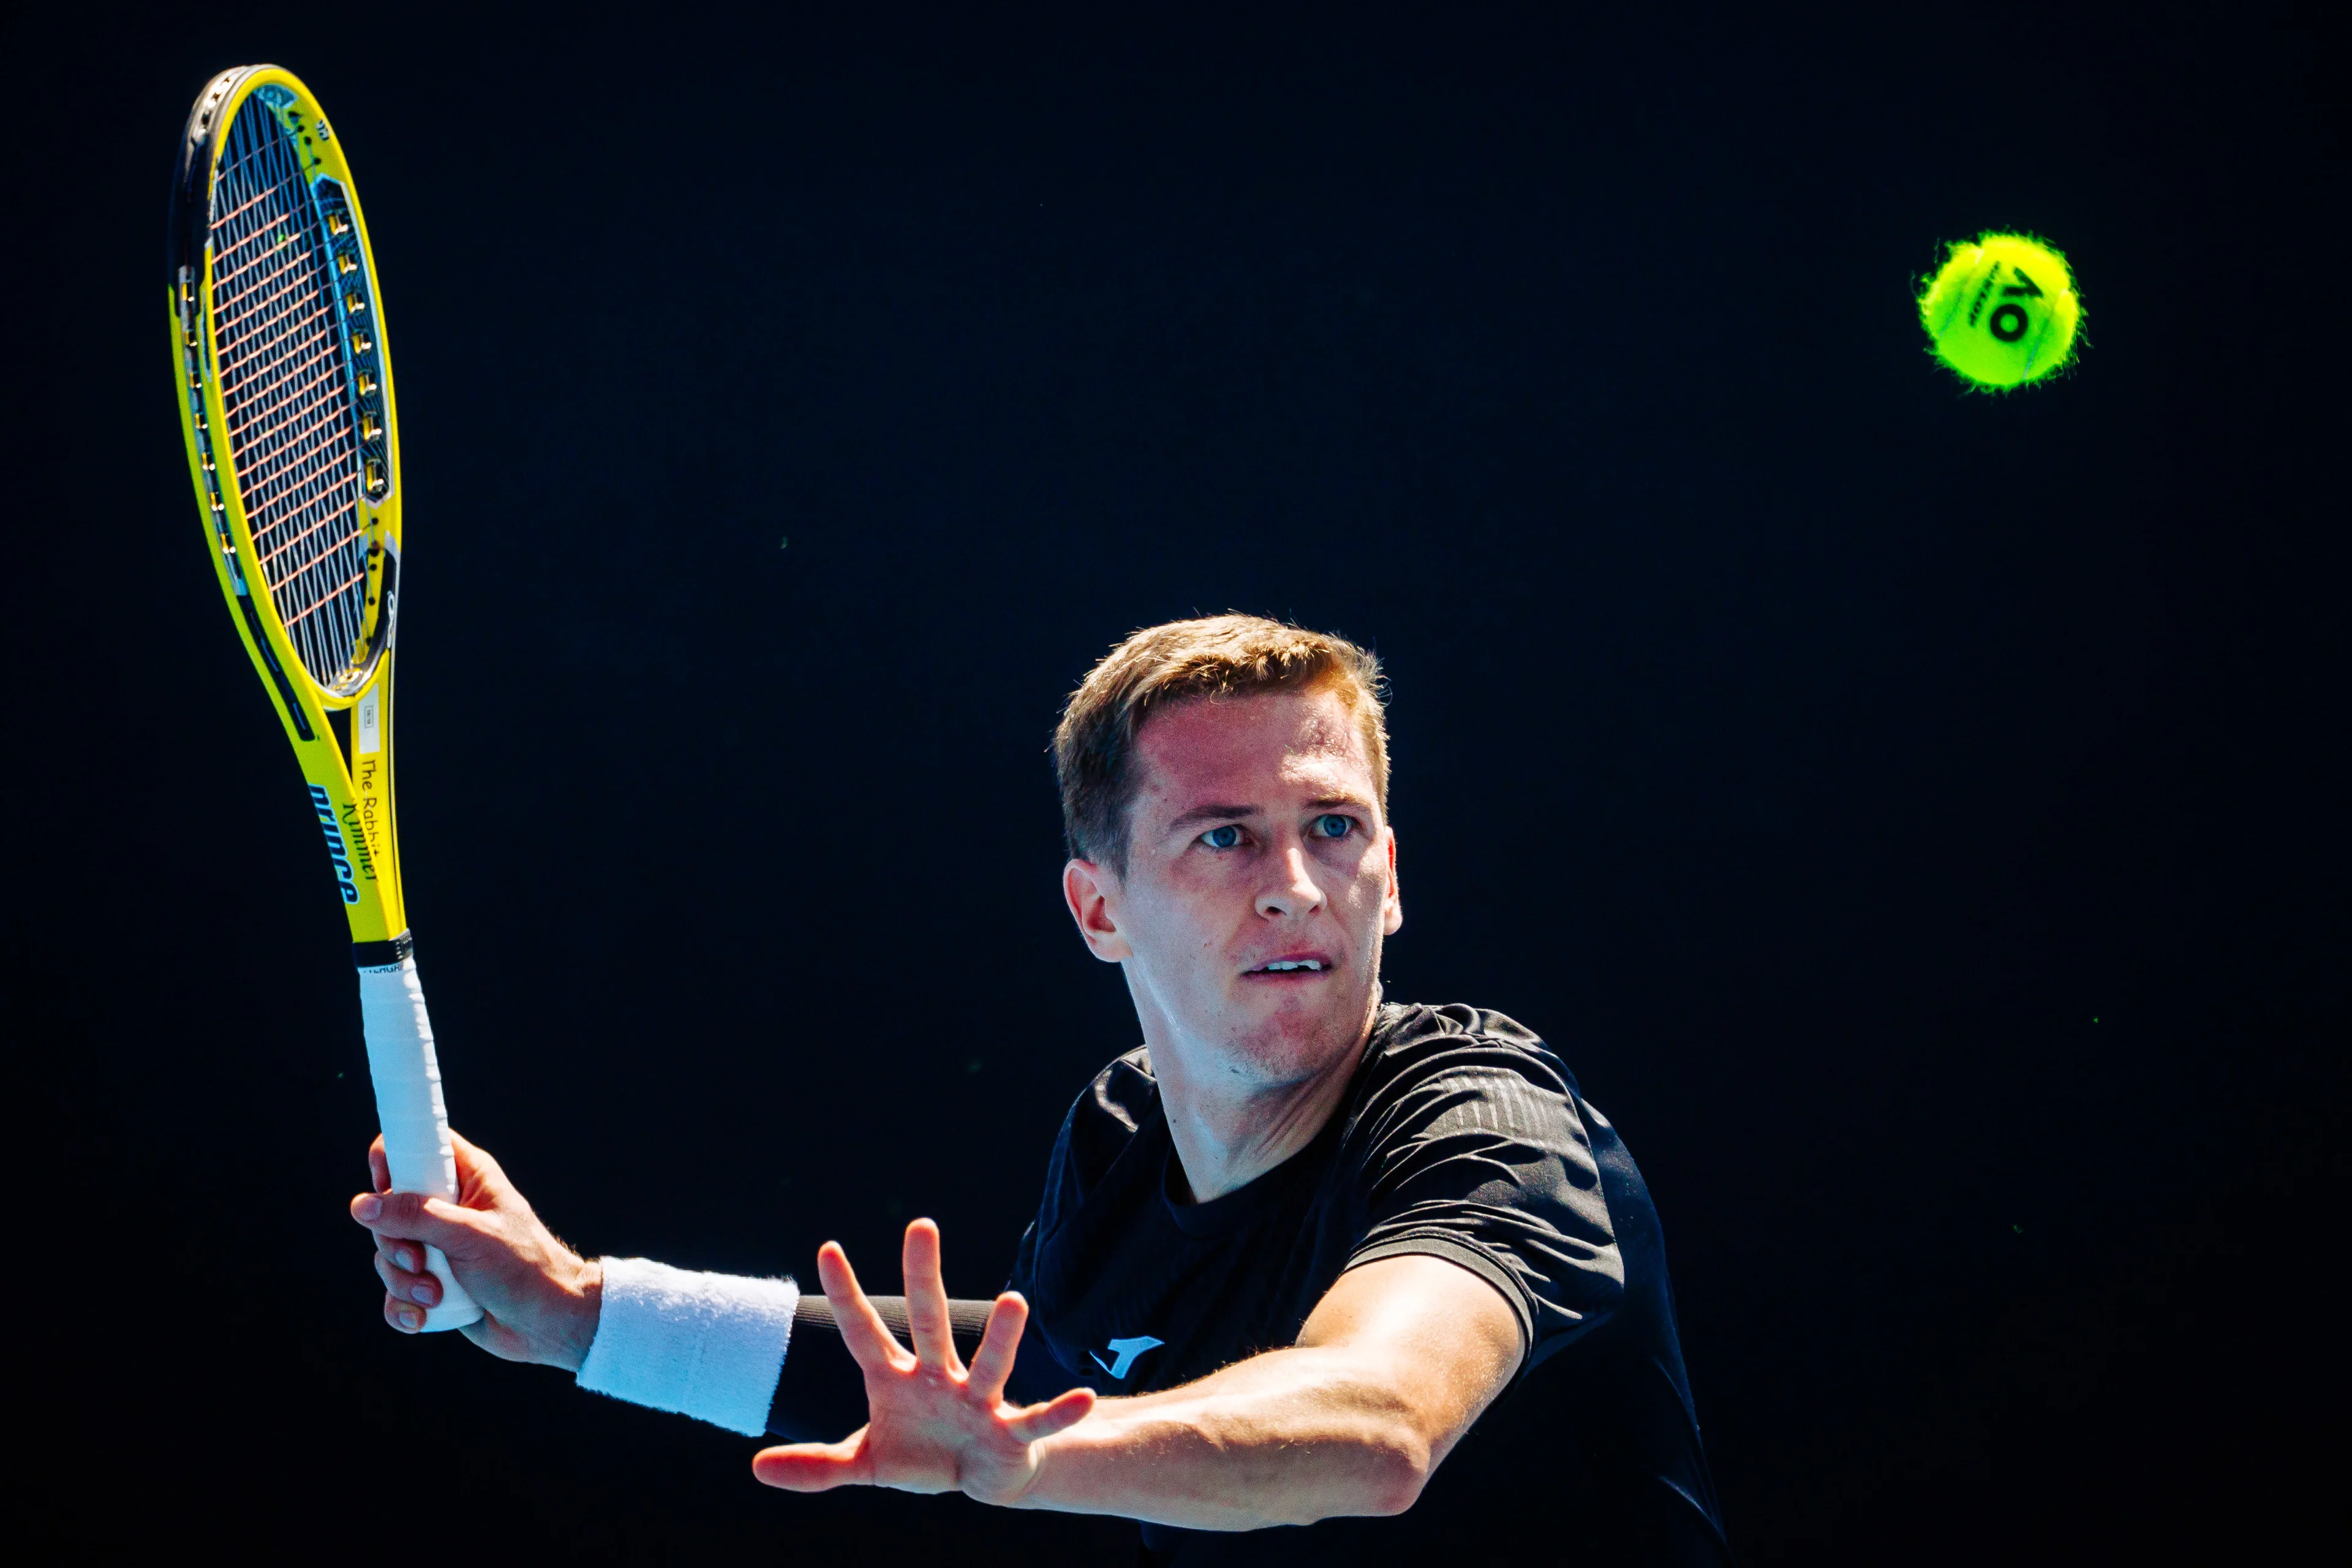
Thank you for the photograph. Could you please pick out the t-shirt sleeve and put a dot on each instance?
(1477, 1155)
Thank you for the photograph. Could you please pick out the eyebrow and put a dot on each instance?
(1205, 813)
(1201, 813)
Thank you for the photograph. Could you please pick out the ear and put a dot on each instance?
(1392, 902)
(1092, 893)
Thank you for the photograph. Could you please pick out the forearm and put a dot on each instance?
(1287, 1438)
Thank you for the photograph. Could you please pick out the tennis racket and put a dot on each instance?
(286, 400)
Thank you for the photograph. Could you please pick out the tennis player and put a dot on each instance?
(1305, 1255)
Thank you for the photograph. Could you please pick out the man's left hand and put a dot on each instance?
(932, 1425)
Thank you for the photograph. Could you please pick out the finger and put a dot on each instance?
(1059, 1414)
(401, 1254)
(408, 1320)
(379, 1166)
(815, 1467)
(926, 1298)
(403, 1285)
(412, 1216)
(863, 1331)
(993, 1363)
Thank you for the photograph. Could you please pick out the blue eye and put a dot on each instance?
(1331, 825)
(1229, 836)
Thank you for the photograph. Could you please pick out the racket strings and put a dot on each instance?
(287, 393)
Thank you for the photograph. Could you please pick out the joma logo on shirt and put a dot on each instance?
(1123, 1354)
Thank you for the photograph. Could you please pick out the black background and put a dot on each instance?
(1915, 815)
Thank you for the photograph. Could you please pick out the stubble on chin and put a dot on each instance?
(1289, 1048)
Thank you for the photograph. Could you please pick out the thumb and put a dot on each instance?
(1059, 1413)
(815, 1467)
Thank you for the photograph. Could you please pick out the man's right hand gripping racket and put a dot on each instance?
(286, 399)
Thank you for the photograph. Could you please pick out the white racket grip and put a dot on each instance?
(408, 1107)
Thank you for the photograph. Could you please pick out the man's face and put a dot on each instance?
(1260, 881)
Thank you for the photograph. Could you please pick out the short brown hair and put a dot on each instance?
(1159, 666)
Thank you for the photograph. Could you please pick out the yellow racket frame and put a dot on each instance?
(350, 772)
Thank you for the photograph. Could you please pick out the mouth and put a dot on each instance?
(1291, 966)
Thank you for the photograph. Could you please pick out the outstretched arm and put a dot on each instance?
(1391, 1370)
(1396, 1362)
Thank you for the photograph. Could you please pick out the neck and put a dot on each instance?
(1230, 1128)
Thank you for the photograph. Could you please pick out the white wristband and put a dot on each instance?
(706, 1346)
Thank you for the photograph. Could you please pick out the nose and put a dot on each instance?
(1296, 893)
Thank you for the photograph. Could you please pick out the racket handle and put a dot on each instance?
(408, 1107)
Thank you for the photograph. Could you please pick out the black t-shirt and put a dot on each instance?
(1463, 1137)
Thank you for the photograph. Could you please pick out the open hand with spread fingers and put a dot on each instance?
(932, 1425)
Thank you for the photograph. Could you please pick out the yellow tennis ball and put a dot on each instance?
(2002, 311)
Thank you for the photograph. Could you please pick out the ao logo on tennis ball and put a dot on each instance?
(2002, 311)
(345, 883)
